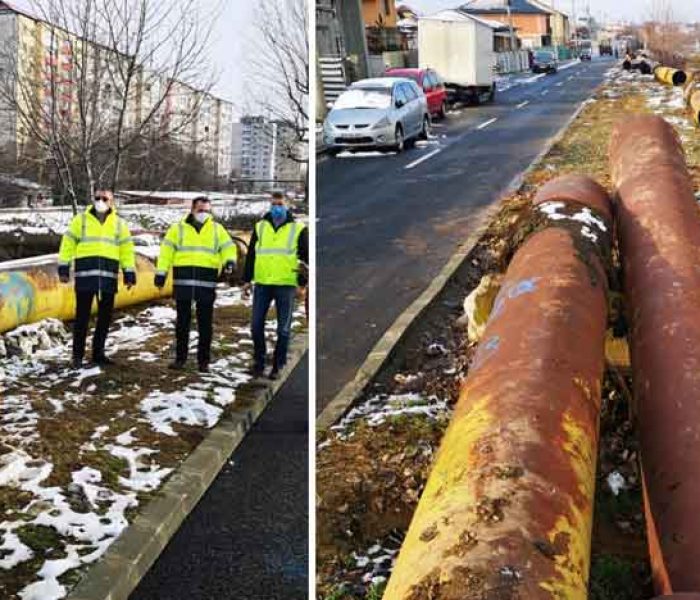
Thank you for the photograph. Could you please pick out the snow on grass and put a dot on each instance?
(378, 409)
(54, 220)
(89, 511)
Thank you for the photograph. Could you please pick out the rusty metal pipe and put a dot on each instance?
(508, 507)
(659, 234)
(670, 76)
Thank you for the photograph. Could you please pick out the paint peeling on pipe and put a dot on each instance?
(659, 234)
(694, 104)
(508, 508)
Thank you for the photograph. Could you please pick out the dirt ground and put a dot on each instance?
(372, 468)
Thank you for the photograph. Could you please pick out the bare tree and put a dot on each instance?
(105, 80)
(279, 72)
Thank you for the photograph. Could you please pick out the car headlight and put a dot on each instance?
(383, 122)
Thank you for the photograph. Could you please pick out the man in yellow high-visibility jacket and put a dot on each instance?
(99, 242)
(277, 249)
(196, 248)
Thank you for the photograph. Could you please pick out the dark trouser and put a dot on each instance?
(205, 315)
(105, 306)
(283, 296)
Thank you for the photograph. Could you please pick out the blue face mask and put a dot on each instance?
(278, 212)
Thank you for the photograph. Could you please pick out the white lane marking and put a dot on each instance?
(570, 77)
(487, 123)
(544, 92)
(569, 65)
(523, 104)
(559, 84)
(415, 163)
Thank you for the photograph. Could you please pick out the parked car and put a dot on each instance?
(386, 112)
(544, 62)
(431, 84)
(586, 54)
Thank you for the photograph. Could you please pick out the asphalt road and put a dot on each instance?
(247, 539)
(388, 224)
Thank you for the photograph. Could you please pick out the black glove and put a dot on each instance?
(229, 268)
(129, 277)
(159, 280)
(64, 273)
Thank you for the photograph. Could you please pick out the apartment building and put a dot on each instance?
(44, 58)
(264, 147)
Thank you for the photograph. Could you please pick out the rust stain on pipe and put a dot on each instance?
(659, 233)
(508, 508)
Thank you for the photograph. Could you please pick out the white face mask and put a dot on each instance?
(101, 206)
(201, 216)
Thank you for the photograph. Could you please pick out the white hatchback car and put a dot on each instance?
(388, 112)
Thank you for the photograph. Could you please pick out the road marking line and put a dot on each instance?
(415, 163)
(570, 77)
(487, 123)
(543, 93)
(559, 84)
(523, 104)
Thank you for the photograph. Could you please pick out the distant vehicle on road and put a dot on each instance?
(386, 112)
(431, 84)
(586, 54)
(459, 46)
(544, 62)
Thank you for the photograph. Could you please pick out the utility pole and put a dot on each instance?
(510, 25)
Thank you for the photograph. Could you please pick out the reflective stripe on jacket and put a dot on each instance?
(196, 256)
(276, 260)
(99, 249)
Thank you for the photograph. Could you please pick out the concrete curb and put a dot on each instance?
(385, 347)
(130, 557)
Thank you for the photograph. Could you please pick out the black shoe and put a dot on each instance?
(256, 372)
(203, 368)
(177, 365)
(274, 373)
(103, 361)
(77, 362)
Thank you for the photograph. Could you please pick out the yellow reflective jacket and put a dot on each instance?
(276, 260)
(196, 257)
(99, 249)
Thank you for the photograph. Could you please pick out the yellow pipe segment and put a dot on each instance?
(694, 104)
(670, 76)
(30, 290)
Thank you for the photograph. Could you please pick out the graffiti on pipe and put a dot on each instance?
(17, 294)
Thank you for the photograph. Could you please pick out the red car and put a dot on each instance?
(431, 84)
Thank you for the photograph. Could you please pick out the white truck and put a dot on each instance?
(459, 47)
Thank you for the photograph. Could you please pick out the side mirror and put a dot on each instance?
(399, 103)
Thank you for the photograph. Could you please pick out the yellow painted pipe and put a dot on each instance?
(695, 106)
(507, 510)
(30, 290)
(670, 76)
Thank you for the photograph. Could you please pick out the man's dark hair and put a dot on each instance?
(278, 195)
(200, 200)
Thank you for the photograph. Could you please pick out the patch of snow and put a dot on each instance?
(616, 482)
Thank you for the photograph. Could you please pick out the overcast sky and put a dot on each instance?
(632, 10)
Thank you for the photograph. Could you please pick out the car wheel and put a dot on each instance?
(332, 152)
(399, 142)
(443, 110)
(492, 94)
(425, 130)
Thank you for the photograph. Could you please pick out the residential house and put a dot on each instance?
(559, 22)
(379, 13)
(532, 21)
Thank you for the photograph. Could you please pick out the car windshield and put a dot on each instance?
(412, 76)
(364, 98)
(543, 56)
